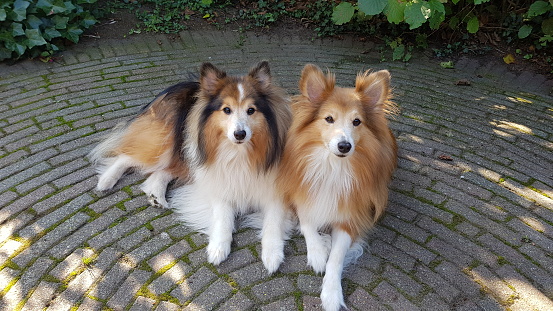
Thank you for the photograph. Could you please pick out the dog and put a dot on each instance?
(234, 137)
(337, 163)
(150, 143)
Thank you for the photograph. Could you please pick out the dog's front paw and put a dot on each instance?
(217, 252)
(317, 253)
(332, 298)
(272, 257)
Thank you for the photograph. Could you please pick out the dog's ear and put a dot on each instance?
(210, 77)
(262, 74)
(373, 88)
(315, 85)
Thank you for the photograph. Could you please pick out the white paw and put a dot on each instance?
(156, 201)
(317, 253)
(105, 182)
(272, 257)
(332, 298)
(217, 252)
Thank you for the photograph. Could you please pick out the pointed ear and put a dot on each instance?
(314, 84)
(373, 88)
(210, 77)
(262, 74)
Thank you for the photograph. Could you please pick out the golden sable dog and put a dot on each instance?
(338, 161)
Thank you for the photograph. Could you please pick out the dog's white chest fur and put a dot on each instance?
(329, 178)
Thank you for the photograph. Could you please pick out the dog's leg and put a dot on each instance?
(109, 177)
(155, 187)
(331, 294)
(317, 246)
(273, 235)
(220, 233)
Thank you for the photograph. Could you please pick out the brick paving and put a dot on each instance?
(469, 224)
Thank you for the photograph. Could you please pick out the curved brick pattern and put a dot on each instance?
(470, 223)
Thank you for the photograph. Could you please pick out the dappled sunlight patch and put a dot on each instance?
(533, 223)
(519, 100)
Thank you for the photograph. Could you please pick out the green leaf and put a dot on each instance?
(34, 38)
(87, 20)
(60, 22)
(33, 22)
(416, 14)
(524, 31)
(72, 33)
(480, 1)
(50, 33)
(453, 22)
(538, 8)
(2, 16)
(5, 53)
(19, 11)
(342, 13)
(19, 49)
(547, 26)
(473, 24)
(436, 19)
(44, 5)
(394, 11)
(17, 29)
(398, 52)
(372, 7)
(436, 6)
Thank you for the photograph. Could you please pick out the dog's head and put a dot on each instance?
(233, 101)
(342, 117)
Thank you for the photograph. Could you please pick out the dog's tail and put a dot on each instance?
(110, 142)
(194, 211)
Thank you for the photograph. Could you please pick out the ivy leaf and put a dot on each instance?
(473, 24)
(342, 13)
(394, 11)
(19, 11)
(17, 29)
(5, 53)
(2, 18)
(60, 22)
(19, 49)
(34, 38)
(87, 21)
(547, 26)
(416, 14)
(524, 31)
(538, 8)
(33, 22)
(72, 34)
(372, 7)
(50, 33)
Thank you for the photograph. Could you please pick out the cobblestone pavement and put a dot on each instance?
(469, 224)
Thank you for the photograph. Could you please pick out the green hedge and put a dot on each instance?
(41, 27)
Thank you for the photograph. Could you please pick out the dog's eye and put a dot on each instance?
(329, 119)
(226, 110)
(356, 122)
(250, 111)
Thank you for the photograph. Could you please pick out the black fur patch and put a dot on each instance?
(263, 104)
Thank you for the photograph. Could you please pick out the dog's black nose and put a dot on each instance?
(240, 135)
(344, 147)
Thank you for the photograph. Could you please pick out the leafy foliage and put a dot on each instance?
(41, 27)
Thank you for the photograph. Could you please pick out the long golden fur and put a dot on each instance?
(338, 162)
